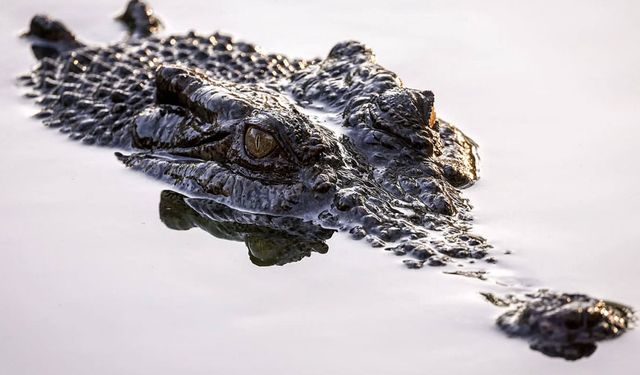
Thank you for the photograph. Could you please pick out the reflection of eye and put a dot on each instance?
(258, 143)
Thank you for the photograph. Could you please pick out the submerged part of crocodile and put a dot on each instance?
(271, 240)
(249, 134)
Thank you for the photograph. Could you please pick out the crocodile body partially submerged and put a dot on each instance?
(252, 137)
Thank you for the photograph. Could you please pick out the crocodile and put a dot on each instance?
(282, 152)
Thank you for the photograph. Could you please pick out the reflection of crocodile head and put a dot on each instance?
(269, 144)
(271, 240)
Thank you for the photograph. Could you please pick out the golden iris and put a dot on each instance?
(258, 143)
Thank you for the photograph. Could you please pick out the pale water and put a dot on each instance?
(93, 283)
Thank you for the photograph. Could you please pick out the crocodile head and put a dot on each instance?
(261, 147)
(245, 144)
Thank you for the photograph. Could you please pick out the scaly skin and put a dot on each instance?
(245, 132)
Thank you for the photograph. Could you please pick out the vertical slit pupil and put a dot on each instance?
(259, 143)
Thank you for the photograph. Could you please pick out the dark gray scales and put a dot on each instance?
(92, 92)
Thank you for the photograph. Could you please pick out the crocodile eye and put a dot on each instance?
(258, 143)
